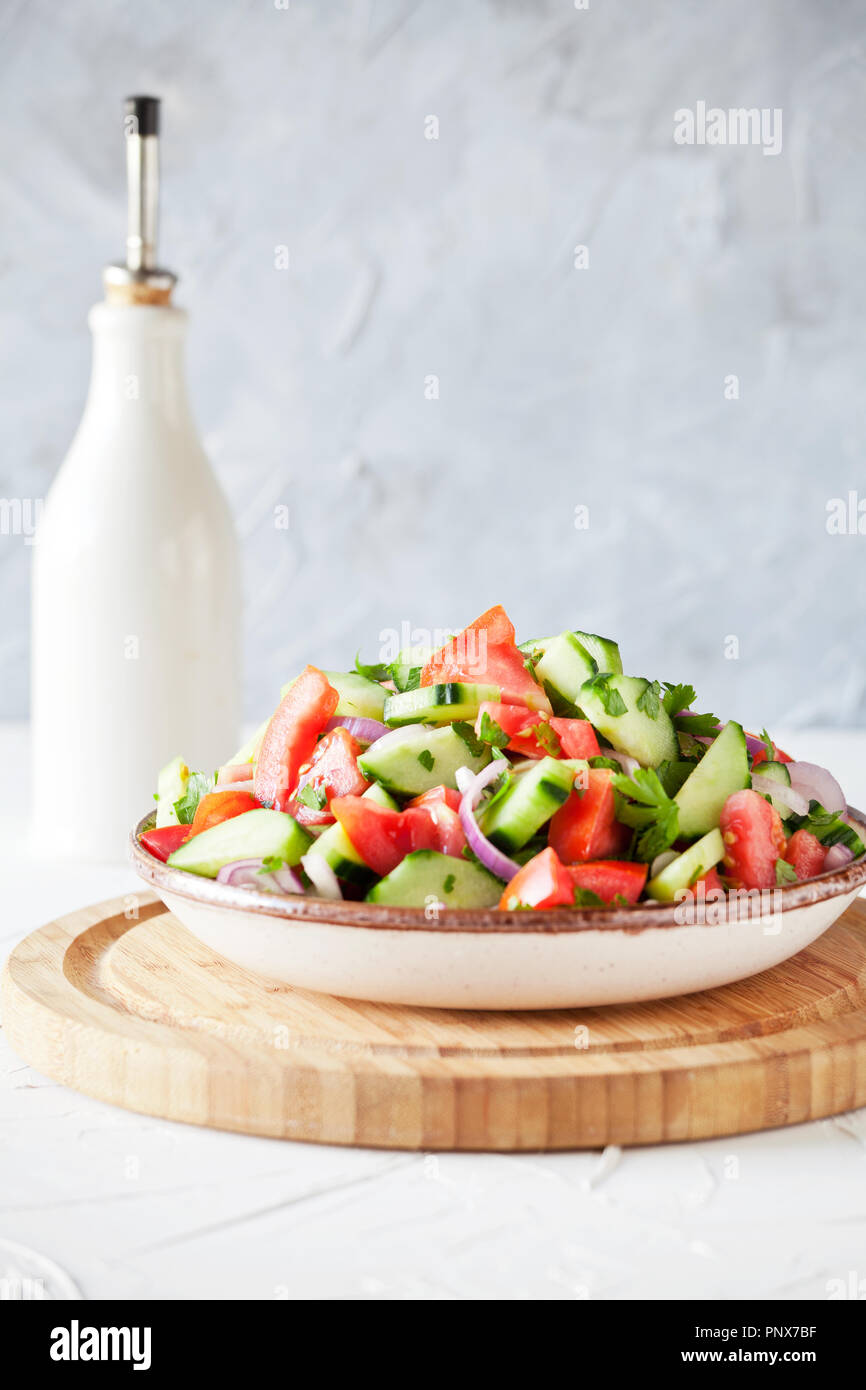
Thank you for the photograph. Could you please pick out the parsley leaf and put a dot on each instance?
(199, 785)
(448, 885)
(314, 797)
(375, 672)
(410, 681)
(698, 725)
(467, 733)
(584, 897)
(601, 761)
(678, 697)
(270, 863)
(648, 809)
(491, 732)
(426, 759)
(769, 747)
(785, 872)
(611, 701)
(672, 774)
(649, 701)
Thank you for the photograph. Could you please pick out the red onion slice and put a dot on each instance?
(661, 861)
(817, 784)
(364, 730)
(247, 873)
(628, 764)
(837, 857)
(491, 857)
(788, 796)
(322, 876)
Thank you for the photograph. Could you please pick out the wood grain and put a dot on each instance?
(140, 1014)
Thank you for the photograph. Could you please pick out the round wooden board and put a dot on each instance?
(140, 1014)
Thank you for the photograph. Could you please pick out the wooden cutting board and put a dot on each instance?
(140, 1014)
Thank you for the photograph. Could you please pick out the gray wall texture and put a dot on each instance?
(694, 378)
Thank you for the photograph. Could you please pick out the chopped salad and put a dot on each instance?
(489, 773)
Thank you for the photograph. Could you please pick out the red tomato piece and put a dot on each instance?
(434, 826)
(219, 806)
(805, 853)
(290, 738)
(585, 827)
(164, 841)
(383, 837)
(333, 772)
(521, 725)
(610, 878)
(435, 795)
(542, 882)
(761, 755)
(485, 654)
(711, 881)
(754, 840)
(577, 737)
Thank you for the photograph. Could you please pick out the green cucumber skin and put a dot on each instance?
(723, 769)
(438, 704)
(704, 854)
(253, 835)
(651, 741)
(422, 876)
(562, 670)
(528, 803)
(603, 651)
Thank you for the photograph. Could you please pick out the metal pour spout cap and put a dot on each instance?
(139, 280)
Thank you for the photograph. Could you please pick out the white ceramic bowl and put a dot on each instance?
(486, 959)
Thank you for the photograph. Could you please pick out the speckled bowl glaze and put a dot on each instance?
(486, 959)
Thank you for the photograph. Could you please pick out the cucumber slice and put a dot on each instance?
(438, 704)
(337, 849)
(253, 835)
(777, 772)
(412, 760)
(563, 669)
(723, 769)
(170, 787)
(650, 740)
(603, 650)
(358, 697)
(426, 874)
(514, 815)
(698, 859)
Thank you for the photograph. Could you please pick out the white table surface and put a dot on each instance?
(106, 1203)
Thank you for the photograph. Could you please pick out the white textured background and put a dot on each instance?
(306, 128)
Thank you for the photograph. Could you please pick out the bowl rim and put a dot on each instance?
(555, 921)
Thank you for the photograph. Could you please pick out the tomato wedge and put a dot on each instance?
(542, 882)
(585, 827)
(610, 878)
(485, 653)
(437, 794)
(754, 840)
(805, 853)
(333, 772)
(163, 842)
(219, 806)
(577, 737)
(383, 837)
(290, 738)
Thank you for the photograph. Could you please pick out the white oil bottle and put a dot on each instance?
(136, 576)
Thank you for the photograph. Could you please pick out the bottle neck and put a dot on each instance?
(138, 362)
